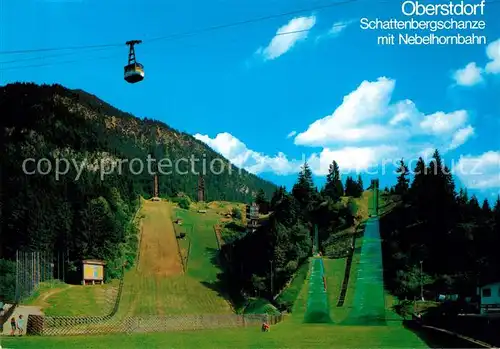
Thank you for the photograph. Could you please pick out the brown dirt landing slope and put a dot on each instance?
(159, 286)
(159, 255)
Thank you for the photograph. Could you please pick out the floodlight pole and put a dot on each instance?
(272, 294)
(421, 281)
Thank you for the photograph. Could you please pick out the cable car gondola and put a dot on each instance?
(134, 71)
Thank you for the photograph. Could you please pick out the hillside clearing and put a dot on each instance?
(60, 299)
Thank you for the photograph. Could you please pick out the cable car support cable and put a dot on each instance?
(190, 33)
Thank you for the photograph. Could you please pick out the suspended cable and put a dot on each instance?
(189, 33)
(171, 37)
(58, 63)
(49, 56)
(249, 21)
(208, 29)
(107, 57)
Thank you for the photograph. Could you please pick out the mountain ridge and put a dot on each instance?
(43, 211)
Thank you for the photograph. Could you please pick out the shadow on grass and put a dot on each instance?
(437, 339)
(235, 227)
(222, 285)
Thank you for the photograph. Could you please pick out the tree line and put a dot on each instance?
(440, 229)
(433, 234)
(262, 262)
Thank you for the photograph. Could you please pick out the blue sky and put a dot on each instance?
(268, 102)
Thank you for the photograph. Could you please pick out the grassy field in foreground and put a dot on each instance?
(59, 299)
(285, 335)
(158, 286)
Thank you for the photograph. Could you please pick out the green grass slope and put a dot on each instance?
(192, 292)
(289, 295)
(159, 287)
(285, 335)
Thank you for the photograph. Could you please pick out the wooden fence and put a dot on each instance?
(67, 325)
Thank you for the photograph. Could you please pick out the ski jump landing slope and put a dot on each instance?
(369, 298)
(317, 309)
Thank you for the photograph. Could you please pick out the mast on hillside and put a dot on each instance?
(156, 190)
(252, 215)
(316, 241)
(201, 188)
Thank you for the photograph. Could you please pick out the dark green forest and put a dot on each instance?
(425, 219)
(433, 222)
(87, 214)
(284, 242)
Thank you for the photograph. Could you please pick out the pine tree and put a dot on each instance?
(359, 187)
(278, 195)
(262, 202)
(474, 208)
(350, 189)
(419, 179)
(463, 197)
(486, 213)
(496, 213)
(333, 187)
(304, 190)
(486, 206)
(402, 185)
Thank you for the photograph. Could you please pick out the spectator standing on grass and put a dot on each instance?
(13, 326)
(20, 325)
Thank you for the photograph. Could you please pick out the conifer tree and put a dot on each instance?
(333, 187)
(304, 190)
(486, 206)
(402, 185)
(359, 187)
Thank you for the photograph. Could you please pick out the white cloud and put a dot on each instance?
(469, 76)
(335, 30)
(287, 36)
(365, 131)
(493, 53)
(339, 27)
(472, 74)
(461, 136)
(291, 134)
(350, 158)
(426, 153)
(366, 115)
(239, 155)
(480, 172)
(441, 123)
(227, 145)
(366, 103)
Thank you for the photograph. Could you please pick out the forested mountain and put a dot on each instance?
(85, 211)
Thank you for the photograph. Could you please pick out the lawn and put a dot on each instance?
(291, 293)
(150, 292)
(199, 227)
(59, 299)
(196, 292)
(286, 335)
